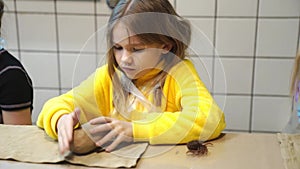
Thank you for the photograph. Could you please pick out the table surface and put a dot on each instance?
(233, 151)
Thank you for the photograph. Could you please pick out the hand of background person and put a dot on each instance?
(117, 131)
(65, 128)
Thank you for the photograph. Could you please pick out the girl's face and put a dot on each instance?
(133, 56)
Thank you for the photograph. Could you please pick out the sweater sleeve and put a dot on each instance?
(52, 110)
(87, 96)
(197, 116)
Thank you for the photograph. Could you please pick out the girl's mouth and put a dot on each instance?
(128, 70)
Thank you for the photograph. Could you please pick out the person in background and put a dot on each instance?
(16, 92)
(293, 125)
(148, 91)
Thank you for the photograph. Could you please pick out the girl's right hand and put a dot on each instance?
(65, 127)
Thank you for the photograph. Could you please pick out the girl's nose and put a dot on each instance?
(126, 57)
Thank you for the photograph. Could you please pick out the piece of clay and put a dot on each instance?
(82, 143)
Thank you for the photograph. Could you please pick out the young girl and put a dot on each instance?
(147, 91)
(293, 125)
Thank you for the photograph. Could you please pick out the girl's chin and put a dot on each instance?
(133, 76)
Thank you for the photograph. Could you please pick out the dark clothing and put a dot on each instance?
(16, 90)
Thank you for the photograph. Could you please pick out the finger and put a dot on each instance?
(100, 120)
(109, 136)
(101, 128)
(63, 145)
(69, 132)
(76, 115)
(60, 144)
(115, 143)
(65, 140)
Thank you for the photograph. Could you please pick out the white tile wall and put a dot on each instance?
(76, 7)
(235, 37)
(195, 7)
(219, 71)
(237, 111)
(272, 77)
(65, 90)
(102, 22)
(248, 34)
(9, 5)
(240, 8)
(202, 36)
(9, 30)
(270, 113)
(74, 68)
(40, 97)
(277, 37)
(102, 8)
(35, 6)
(31, 34)
(101, 33)
(204, 69)
(101, 59)
(279, 8)
(238, 76)
(221, 101)
(42, 68)
(76, 33)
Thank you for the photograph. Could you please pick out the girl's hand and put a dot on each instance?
(118, 131)
(65, 127)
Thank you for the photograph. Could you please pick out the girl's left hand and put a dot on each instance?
(118, 131)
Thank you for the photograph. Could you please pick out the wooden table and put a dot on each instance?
(233, 151)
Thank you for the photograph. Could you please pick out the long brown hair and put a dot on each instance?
(153, 22)
(295, 75)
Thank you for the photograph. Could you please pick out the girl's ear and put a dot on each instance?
(166, 48)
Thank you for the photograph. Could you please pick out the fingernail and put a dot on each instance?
(98, 144)
(91, 122)
(66, 154)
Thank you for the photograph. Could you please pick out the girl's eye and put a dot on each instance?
(137, 49)
(117, 48)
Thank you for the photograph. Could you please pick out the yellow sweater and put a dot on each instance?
(189, 111)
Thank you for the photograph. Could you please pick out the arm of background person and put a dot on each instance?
(22, 117)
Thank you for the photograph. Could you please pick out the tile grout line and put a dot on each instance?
(253, 68)
(204, 56)
(17, 31)
(214, 48)
(58, 48)
(96, 31)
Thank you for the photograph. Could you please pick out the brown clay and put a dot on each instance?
(82, 143)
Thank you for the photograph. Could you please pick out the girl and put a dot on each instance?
(147, 91)
(293, 125)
